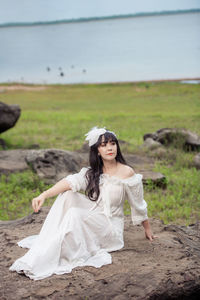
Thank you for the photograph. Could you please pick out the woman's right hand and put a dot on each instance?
(38, 202)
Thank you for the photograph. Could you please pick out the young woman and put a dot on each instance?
(81, 229)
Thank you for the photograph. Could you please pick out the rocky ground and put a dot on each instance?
(167, 268)
(52, 165)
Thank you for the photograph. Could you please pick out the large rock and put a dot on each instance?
(49, 164)
(181, 138)
(168, 268)
(13, 161)
(53, 164)
(144, 165)
(9, 114)
(149, 143)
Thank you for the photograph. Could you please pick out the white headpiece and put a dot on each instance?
(94, 133)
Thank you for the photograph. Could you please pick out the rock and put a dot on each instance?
(155, 149)
(53, 164)
(151, 144)
(157, 179)
(85, 148)
(9, 114)
(167, 268)
(180, 138)
(49, 164)
(139, 162)
(159, 152)
(13, 161)
(196, 161)
(144, 165)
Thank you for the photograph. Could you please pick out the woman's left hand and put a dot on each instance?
(149, 235)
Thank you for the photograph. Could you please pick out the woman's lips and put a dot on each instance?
(110, 154)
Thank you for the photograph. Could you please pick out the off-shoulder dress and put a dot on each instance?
(81, 232)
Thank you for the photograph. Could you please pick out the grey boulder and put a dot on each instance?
(9, 114)
(179, 137)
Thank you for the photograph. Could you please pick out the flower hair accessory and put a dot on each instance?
(94, 133)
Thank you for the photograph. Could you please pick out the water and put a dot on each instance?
(115, 50)
(49, 10)
(190, 81)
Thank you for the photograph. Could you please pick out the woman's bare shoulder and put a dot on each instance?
(126, 171)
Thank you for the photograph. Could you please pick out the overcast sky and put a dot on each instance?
(43, 10)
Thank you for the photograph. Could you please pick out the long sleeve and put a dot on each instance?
(78, 181)
(134, 192)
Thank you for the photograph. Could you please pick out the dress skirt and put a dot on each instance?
(76, 232)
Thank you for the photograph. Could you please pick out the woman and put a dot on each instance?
(81, 229)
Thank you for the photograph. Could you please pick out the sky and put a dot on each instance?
(46, 10)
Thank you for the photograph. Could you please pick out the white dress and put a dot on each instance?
(81, 232)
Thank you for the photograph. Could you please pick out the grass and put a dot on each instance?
(59, 116)
(16, 193)
(179, 203)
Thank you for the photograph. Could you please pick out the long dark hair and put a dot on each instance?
(96, 165)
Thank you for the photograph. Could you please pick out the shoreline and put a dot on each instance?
(100, 18)
(20, 85)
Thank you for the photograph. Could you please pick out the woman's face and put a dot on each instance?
(108, 151)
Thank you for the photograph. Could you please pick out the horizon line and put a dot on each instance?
(101, 18)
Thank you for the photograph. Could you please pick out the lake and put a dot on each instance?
(112, 50)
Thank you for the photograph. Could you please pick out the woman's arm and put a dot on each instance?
(147, 229)
(60, 187)
(74, 182)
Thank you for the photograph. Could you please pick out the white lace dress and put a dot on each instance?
(81, 232)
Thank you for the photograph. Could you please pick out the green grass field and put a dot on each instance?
(59, 116)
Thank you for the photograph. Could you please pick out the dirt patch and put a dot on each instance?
(4, 88)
